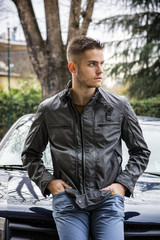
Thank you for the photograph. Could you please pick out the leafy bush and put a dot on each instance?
(148, 107)
(15, 104)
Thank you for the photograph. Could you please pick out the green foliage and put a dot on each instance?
(138, 57)
(15, 104)
(147, 107)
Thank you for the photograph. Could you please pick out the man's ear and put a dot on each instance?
(72, 67)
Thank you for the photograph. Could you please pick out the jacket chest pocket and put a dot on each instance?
(108, 131)
(60, 134)
(60, 126)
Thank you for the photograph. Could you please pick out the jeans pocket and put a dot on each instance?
(58, 194)
(118, 195)
(62, 203)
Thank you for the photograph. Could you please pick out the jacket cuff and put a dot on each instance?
(45, 191)
(125, 180)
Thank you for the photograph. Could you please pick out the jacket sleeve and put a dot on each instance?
(34, 146)
(137, 148)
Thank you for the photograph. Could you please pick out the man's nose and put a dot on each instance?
(100, 69)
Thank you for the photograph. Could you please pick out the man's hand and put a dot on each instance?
(116, 188)
(57, 186)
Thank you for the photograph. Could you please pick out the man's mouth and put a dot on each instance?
(98, 78)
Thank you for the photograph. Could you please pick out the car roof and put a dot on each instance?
(149, 120)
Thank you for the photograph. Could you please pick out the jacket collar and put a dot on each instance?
(100, 96)
(67, 94)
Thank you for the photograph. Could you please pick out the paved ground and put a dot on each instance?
(1, 225)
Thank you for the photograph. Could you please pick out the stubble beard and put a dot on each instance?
(81, 81)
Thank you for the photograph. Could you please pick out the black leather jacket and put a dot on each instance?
(86, 149)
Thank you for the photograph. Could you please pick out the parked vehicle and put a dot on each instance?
(26, 214)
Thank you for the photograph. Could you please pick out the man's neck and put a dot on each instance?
(82, 96)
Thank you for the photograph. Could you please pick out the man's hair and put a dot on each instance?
(78, 45)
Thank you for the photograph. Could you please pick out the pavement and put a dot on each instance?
(1, 226)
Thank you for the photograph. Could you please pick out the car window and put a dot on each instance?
(151, 133)
(10, 153)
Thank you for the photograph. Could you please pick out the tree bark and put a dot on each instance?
(56, 73)
(49, 57)
(75, 28)
(74, 19)
(87, 17)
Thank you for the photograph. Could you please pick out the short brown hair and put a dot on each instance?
(79, 45)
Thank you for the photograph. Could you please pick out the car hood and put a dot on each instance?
(144, 205)
(19, 194)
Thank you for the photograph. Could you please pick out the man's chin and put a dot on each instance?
(97, 86)
(94, 85)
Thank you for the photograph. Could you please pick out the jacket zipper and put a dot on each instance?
(77, 115)
(83, 157)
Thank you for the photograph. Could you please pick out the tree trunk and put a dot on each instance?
(54, 76)
(49, 57)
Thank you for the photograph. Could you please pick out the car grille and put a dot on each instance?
(30, 230)
(26, 229)
(143, 231)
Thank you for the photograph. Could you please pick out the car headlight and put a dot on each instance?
(2, 222)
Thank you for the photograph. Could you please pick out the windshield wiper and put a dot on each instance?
(153, 173)
(12, 167)
(18, 167)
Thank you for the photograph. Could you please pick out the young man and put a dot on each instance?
(85, 125)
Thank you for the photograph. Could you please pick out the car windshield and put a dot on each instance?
(12, 146)
(11, 149)
(151, 133)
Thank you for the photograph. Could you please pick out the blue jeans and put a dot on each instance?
(103, 221)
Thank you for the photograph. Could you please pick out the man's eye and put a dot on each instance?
(91, 64)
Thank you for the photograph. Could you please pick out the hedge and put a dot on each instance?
(147, 107)
(21, 102)
(16, 104)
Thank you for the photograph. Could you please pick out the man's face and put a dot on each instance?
(89, 72)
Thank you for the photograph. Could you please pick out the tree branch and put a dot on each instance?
(87, 17)
(74, 19)
(54, 38)
(32, 33)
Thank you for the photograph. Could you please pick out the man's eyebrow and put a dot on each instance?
(94, 61)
